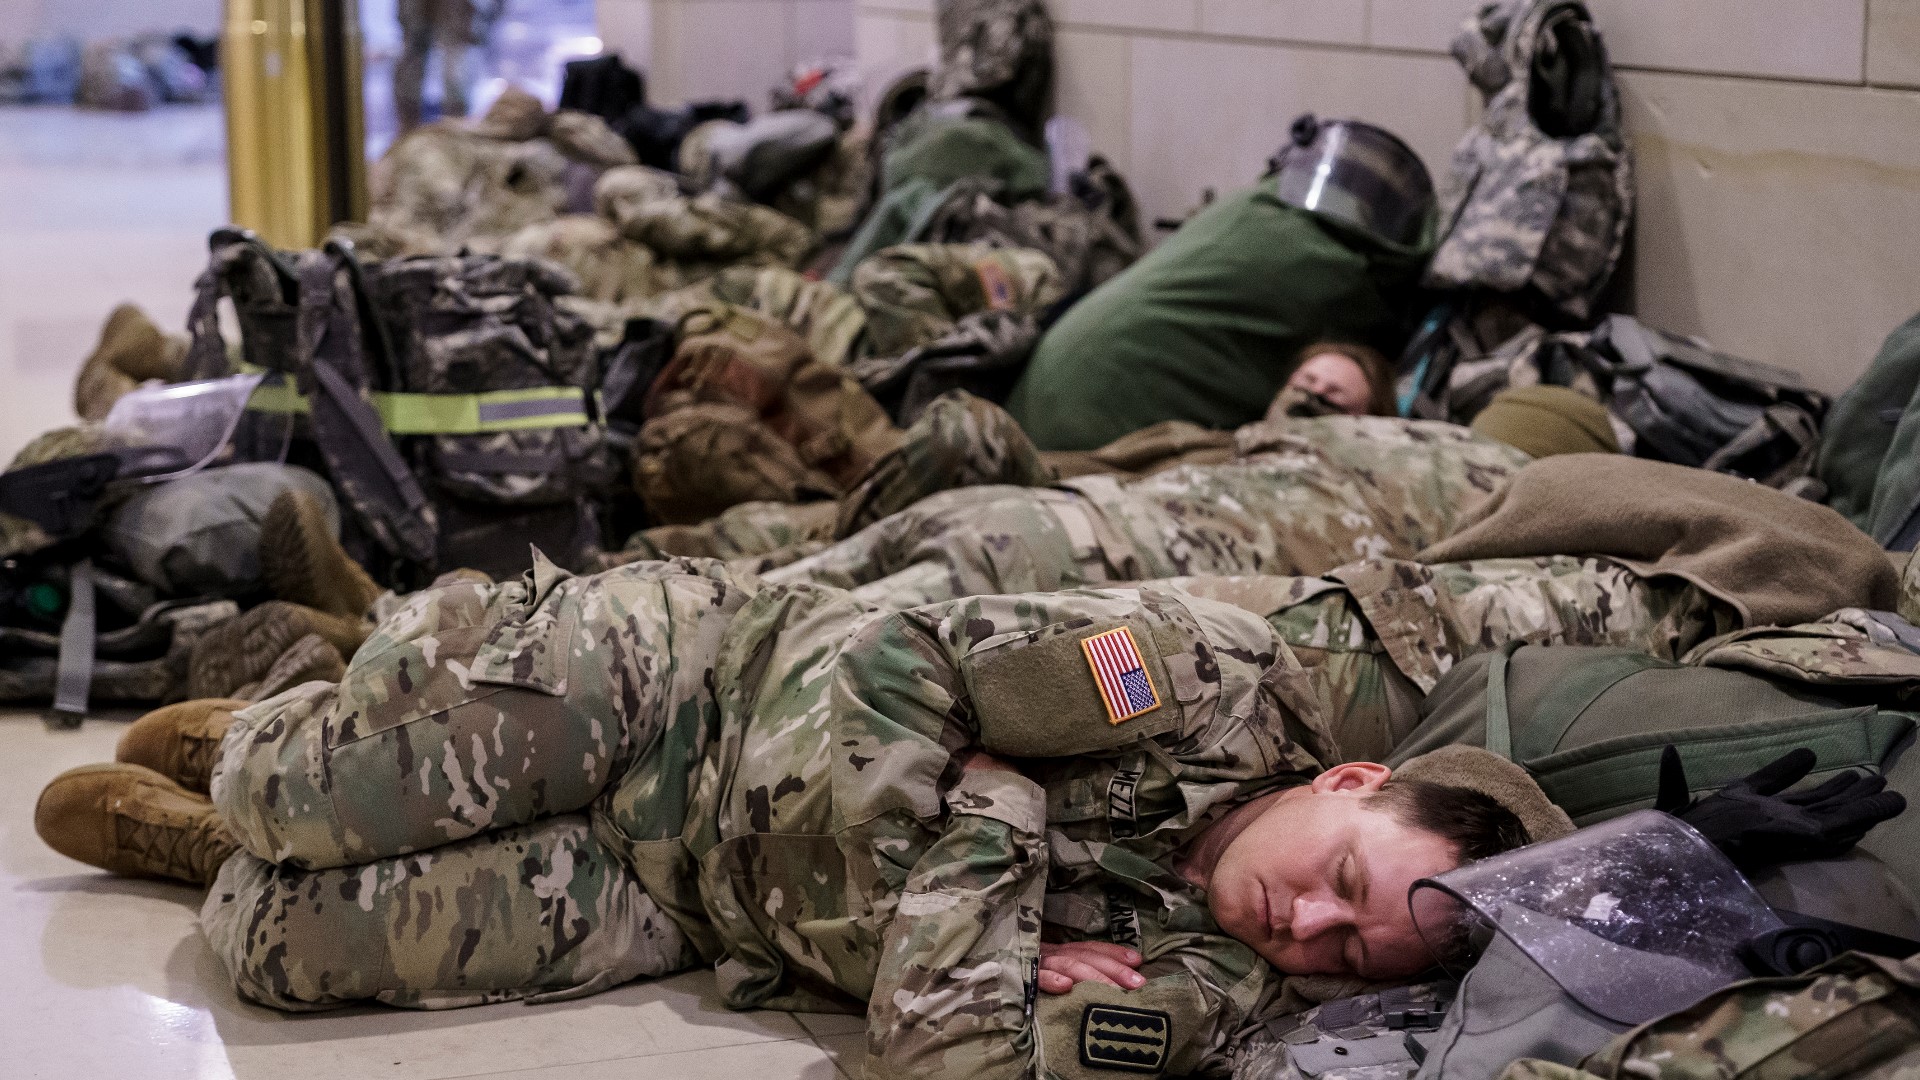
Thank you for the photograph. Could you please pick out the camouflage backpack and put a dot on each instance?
(744, 412)
(1540, 192)
(303, 321)
(449, 400)
(491, 391)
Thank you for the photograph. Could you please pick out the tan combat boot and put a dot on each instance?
(180, 742)
(131, 350)
(305, 565)
(311, 659)
(130, 820)
(236, 657)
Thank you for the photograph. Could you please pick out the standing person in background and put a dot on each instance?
(455, 27)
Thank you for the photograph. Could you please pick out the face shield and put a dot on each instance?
(1634, 918)
(182, 428)
(1359, 174)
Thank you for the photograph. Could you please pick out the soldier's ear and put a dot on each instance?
(1357, 776)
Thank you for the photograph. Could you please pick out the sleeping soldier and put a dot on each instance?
(1021, 833)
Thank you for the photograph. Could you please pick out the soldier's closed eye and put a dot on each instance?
(1350, 881)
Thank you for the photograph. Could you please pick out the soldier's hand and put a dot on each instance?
(1071, 962)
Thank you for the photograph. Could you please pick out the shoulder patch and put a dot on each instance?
(997, 284)
(1125, 687)
(1124, 1039)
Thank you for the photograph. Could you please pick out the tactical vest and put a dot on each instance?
(1539, 194)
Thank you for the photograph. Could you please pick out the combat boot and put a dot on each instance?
(304, 564)
(130, 820)
(180, 742)
(131, 350)
(238, 655)
(311, 659)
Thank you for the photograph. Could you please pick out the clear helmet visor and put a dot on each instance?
(194, 425)
(1358, 174)
(1634, 918)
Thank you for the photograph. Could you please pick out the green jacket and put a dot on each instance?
(1208, 326)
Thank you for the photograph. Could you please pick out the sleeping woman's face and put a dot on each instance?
(1338, 378)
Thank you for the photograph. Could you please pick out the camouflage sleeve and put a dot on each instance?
(959, 964)
(1033, 677)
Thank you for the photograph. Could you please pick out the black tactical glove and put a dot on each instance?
(1756, 822)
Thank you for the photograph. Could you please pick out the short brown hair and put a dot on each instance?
(1376, 367)
(1474, 824)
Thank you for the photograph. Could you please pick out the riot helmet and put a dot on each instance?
(1634, 918)
(1356, 173)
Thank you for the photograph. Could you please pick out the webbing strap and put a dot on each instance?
(73, 673)
(450, 414)
(1499, 724)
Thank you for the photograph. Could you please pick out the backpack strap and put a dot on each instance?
(73, 672)
(1499, 723)
(373, 479)
(1789, 421)
(207, 352)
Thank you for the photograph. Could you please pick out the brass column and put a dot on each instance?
(296, 137)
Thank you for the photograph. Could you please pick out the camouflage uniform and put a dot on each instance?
(915, 293)
(442, 188)
(1304, 496)
(611, 268)
(959, 441)
(647, 206)
(550, 786)
(1856, 1015)
(820, 311)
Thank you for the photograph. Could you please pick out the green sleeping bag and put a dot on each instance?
(1208, 326)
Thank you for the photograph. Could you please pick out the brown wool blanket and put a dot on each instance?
(1778, 559)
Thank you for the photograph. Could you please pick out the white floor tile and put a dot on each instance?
(847, 1052)
(108, 978)
(800, 1060)
(95, 209)
(820, 1025)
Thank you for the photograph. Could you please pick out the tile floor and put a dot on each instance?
(108, 978)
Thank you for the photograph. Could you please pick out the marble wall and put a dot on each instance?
(696, 50)
(1778, 141)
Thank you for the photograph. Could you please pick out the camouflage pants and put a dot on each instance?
(491, 805)
(460, 819)
(1309, 495)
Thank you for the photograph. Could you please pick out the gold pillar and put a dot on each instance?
(296, 139)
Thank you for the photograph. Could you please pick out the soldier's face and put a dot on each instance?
(1318, 883)
(1339, 379)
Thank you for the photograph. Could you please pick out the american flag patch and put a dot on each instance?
(998, 286)
(1125, 686)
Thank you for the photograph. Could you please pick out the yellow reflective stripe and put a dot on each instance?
(451, 414)
(479, 414)
(280, 397)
